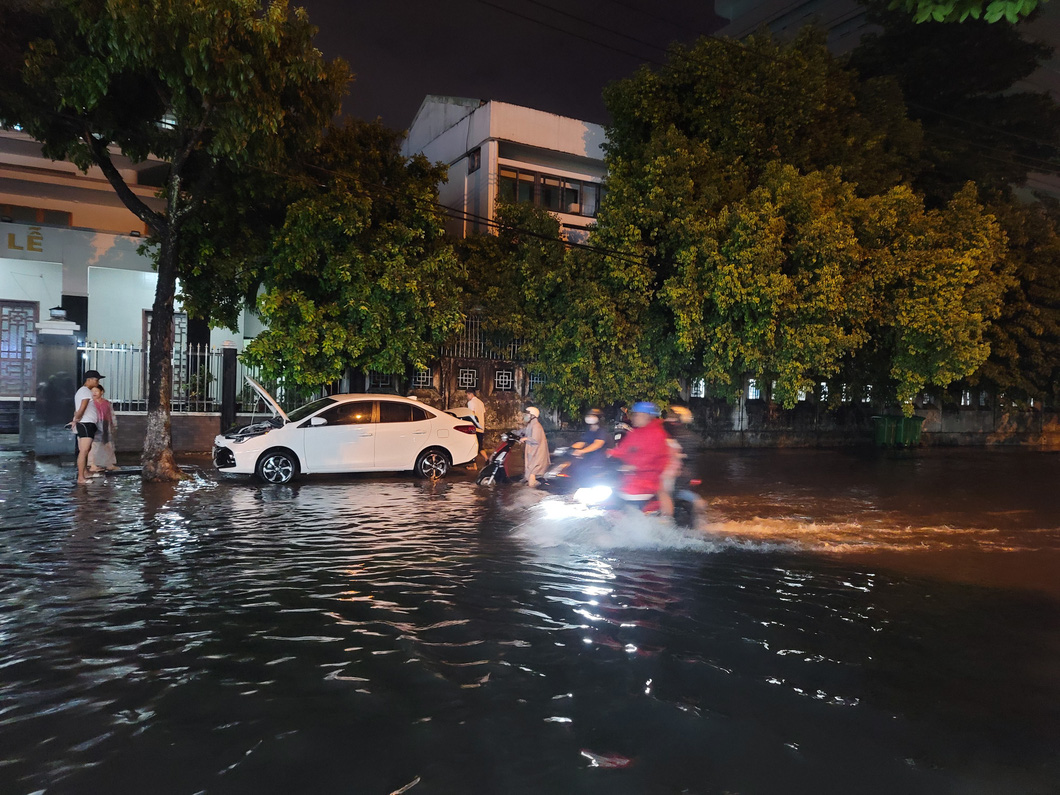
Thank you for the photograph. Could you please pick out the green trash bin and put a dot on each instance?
(886, 429)
(909, 435)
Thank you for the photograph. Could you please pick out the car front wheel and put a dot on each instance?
(432, 464)
(277, 466)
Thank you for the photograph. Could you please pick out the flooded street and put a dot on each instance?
(848, 623)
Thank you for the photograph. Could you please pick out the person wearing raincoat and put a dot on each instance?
(536, 457)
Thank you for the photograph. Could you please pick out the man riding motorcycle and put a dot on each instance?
(647, 451)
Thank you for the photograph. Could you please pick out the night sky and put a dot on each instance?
(534, 53)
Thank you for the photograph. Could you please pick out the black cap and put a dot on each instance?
(93, 374)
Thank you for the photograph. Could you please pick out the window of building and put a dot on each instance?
(519, 186)
(982, 399)
(753, 392)
(474, 160)
(18, 339)
(823, 394)
(379, 380)
(866, 396)
(35, 215)
(801, 395)
(966, 397)
(467, 378)
(536, 379)
(422, 379)
(699, 388)
(504, 380)
(552, 194)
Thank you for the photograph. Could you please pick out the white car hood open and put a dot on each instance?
(270, 401)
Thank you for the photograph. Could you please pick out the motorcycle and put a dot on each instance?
(495, 470)
(598, 487)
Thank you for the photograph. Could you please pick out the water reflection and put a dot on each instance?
(219, 636)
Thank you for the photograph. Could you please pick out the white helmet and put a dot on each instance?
(533, 411)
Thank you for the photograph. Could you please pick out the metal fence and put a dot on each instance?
(474, 343)
(196, 378)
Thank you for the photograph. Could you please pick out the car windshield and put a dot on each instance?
(302, 412)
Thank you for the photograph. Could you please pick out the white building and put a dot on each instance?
(501, 152)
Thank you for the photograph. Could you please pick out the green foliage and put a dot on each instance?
(754, 102)
(761, 185)
(579, 324)
(360, 274)
(1025, 340)
(960, 10)
(803, 275)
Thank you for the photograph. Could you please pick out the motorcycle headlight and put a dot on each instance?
(593, 495)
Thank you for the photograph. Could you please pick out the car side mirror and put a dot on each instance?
(318, 421)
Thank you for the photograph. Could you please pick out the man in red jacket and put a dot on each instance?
(646, 449)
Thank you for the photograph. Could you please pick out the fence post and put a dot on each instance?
(228, 387)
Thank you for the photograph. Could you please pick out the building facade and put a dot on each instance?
(502, 153)
(497, 152)
(68, 243)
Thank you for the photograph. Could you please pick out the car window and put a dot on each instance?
(392, 411)
(304, 411)
(418, 414)
(356, 412)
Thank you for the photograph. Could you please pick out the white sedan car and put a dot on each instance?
(347, 433)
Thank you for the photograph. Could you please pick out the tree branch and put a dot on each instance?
(155, 221)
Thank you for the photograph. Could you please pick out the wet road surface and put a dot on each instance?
(847, 623)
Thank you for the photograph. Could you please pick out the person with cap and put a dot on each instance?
(85, 421)
(536, 457)
(646, 450)
(479, 410)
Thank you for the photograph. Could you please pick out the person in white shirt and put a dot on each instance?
(479, 408)
(85, 422)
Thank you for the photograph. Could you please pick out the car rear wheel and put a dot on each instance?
(277, 466)
(432, 464)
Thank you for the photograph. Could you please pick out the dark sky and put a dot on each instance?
(528, 52)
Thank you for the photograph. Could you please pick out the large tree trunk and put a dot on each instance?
(157, 460)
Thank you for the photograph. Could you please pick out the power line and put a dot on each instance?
(936, 112)
(569, 33)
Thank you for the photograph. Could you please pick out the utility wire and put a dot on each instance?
(570, 33)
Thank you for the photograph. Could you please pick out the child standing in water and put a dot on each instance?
(102, 457)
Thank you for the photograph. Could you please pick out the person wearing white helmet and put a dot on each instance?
(536, 457)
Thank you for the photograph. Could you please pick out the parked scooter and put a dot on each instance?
(495, 470)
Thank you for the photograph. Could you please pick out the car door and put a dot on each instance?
(345, 442)
(404, 430)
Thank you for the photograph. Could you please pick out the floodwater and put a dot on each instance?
(846, 623)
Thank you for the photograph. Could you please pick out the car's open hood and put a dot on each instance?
(270, 401)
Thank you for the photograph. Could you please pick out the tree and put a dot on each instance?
(1024, 342)
(578, 323)
(762, 186)
(360, 274)
(206, 85)
(803, 275)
